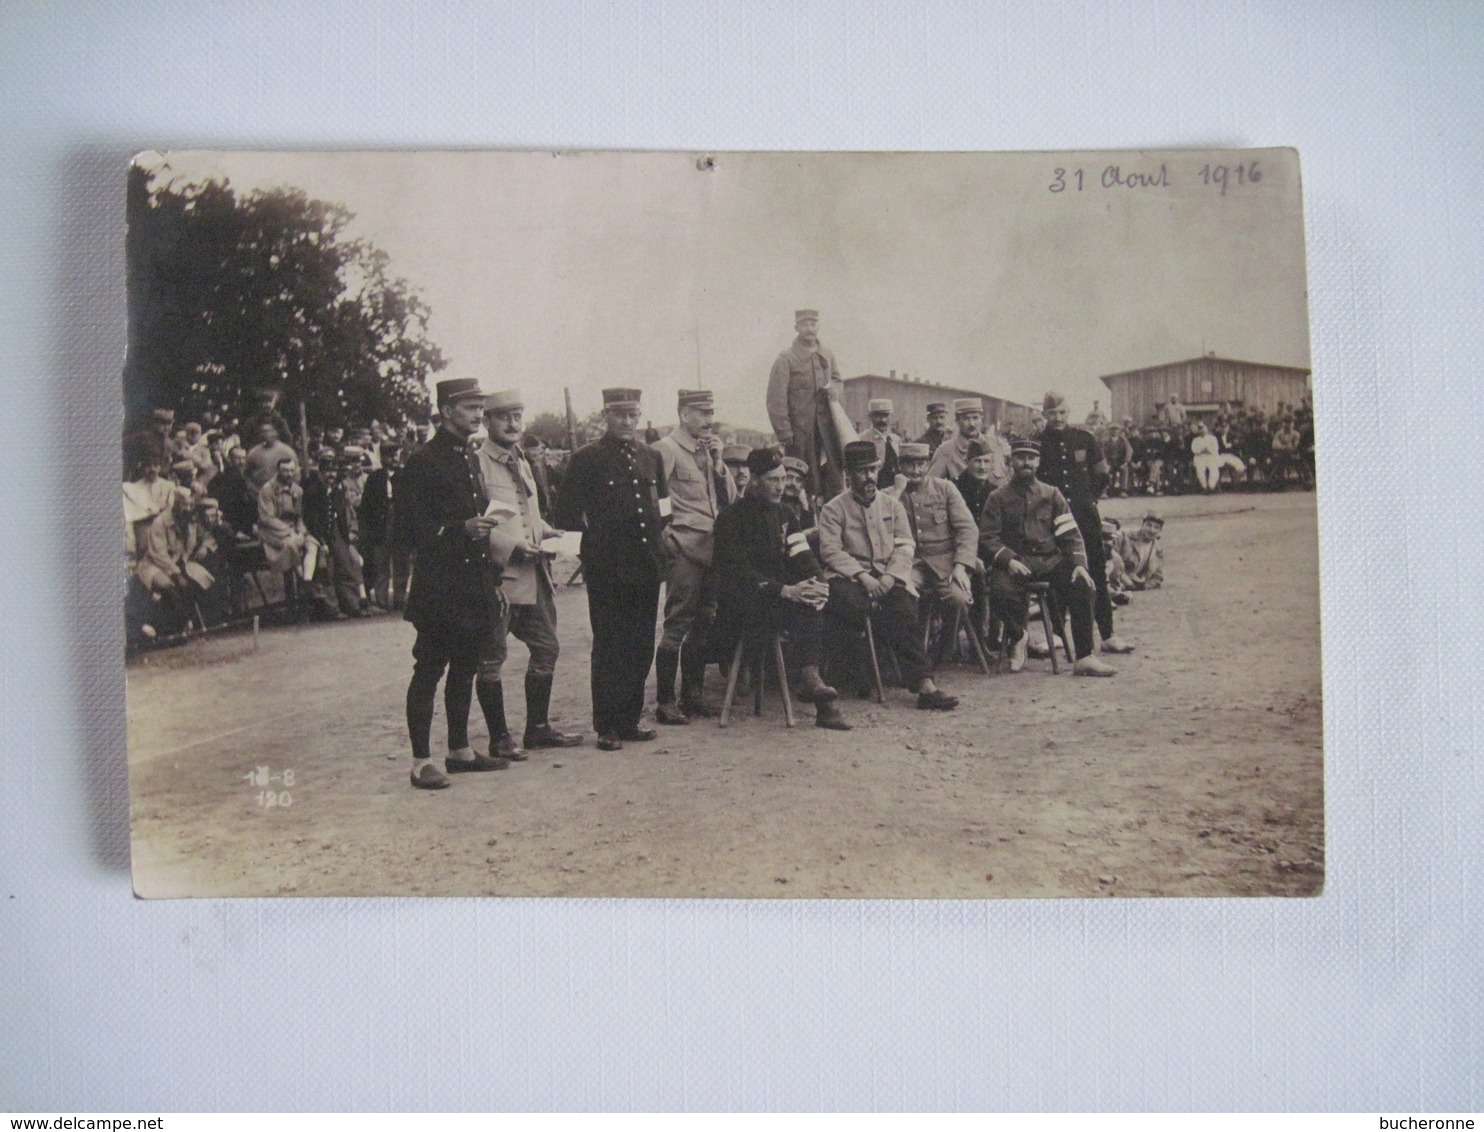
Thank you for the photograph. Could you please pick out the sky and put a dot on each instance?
(586, 270)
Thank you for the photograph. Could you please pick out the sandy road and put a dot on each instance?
(1196, 771)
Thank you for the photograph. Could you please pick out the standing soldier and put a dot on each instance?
(1072, 462)
(1028, 533)
(612, 492)
(455, 602)
(888, 446)
(804, 382)
(937, 429)
(952, 457)
(700, 486)
(515, 547)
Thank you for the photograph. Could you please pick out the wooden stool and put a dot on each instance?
(1041, 591)
(933, 608)
(758, 665)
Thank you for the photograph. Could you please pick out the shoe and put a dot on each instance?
(638, 734)
(1017, 653)
(697, 709)
(1116, 647)
(936, 700)
(1118, 598)
(813, 690)
(1092, 666)
(828, 716)
(477, 763)
(671, 714)
(610, 742)
(505, 747)
(546, 737)
(1036, 648)
(428, 777)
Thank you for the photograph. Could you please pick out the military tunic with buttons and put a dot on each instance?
(611, 493)
(1072, 460)
(455, 585)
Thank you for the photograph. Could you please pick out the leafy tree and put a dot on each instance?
(550, 427)
(230, 293)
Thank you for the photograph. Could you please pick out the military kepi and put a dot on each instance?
(1028, 447)
(914, 451)
(879, 405)
(860, 454)
(621, 398)
(696, 399)
(962, 405)
(801, 315)
(503, 400)
(457, 389)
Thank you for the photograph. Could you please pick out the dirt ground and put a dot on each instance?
(1196, 771)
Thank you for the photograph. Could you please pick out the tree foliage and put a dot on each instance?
(550, 427)
(230, 293)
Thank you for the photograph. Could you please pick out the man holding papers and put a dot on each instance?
(515, 548)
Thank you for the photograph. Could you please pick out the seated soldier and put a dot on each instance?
(1143, 557)
(1028, 533)
(947, 540)
(795, 499)
(768, 581)
(866, 545)
(734, 456)
(974, 482)
(1115, 542)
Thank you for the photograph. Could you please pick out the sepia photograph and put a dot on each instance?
(761, 525)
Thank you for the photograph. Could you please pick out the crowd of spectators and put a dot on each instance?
(225, 517)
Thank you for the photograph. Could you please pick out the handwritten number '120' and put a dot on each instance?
(1060, 184)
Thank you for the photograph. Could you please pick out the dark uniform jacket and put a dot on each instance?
(376, 508)
(1031, 523)
(760, 548)
(611, 493)
(455, 586)
(1072, 461)
(934, 438)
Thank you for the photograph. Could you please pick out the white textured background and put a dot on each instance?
(1369, 998)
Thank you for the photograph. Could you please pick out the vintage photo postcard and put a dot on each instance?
(735, 524)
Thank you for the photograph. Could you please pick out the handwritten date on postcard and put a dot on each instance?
(1218, 178)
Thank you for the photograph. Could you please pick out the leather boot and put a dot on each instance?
(540, 734)
(491, 695)
(693, 681)
(813, 690)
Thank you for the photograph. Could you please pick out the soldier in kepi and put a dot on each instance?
(952, 456)
(803, 386)
(1028, 533)
(455, 601)
(1072, 461)
(888, 445)
(515, 547)
(937, 429)
(700, 486)
(612, 492)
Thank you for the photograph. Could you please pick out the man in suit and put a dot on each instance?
(515, 547)
(612, 492)
(455, 601)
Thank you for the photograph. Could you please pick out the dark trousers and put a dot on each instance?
(893, 624)
(1090, 523)
(1011, 602)
(757, 618)
(434, 651)
(622, 614)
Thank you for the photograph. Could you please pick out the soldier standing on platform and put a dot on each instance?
(455, 601)
(803, 383)
(699, 485)
(1072, 461)
(515, 547)
(612, 492)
